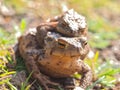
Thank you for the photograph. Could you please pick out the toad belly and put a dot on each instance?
(59, 67)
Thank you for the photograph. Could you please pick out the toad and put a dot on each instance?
(57, 49)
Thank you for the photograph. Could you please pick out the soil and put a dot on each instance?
(112, 52)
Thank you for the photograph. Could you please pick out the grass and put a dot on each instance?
(97, 24)
(5, 74)
(24, 85)
(103, 73)
(7, 40)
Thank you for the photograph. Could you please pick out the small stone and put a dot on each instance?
(78, 88)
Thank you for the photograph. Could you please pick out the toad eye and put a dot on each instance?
(61, 45)
(83, 41)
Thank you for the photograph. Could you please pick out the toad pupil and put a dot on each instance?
(61, 45)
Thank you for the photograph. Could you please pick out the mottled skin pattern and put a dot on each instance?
(55, 55)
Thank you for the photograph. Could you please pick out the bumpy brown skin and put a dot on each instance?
(31, 53)
(55, 55)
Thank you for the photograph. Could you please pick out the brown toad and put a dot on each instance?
(55, 53)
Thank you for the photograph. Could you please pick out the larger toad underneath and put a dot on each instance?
(55, 52)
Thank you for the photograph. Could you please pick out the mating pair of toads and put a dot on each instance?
(56, 50)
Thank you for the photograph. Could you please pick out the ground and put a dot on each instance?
(103, 25)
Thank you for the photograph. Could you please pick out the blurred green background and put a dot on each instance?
(17, 16)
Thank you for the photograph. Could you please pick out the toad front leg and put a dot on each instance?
(84, 70)
(31, 52)
(86, 75)
(42, 79)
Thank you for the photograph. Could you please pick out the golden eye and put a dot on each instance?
(62, 45)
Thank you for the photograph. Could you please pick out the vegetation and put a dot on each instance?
(101, 18)
(102, 73)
